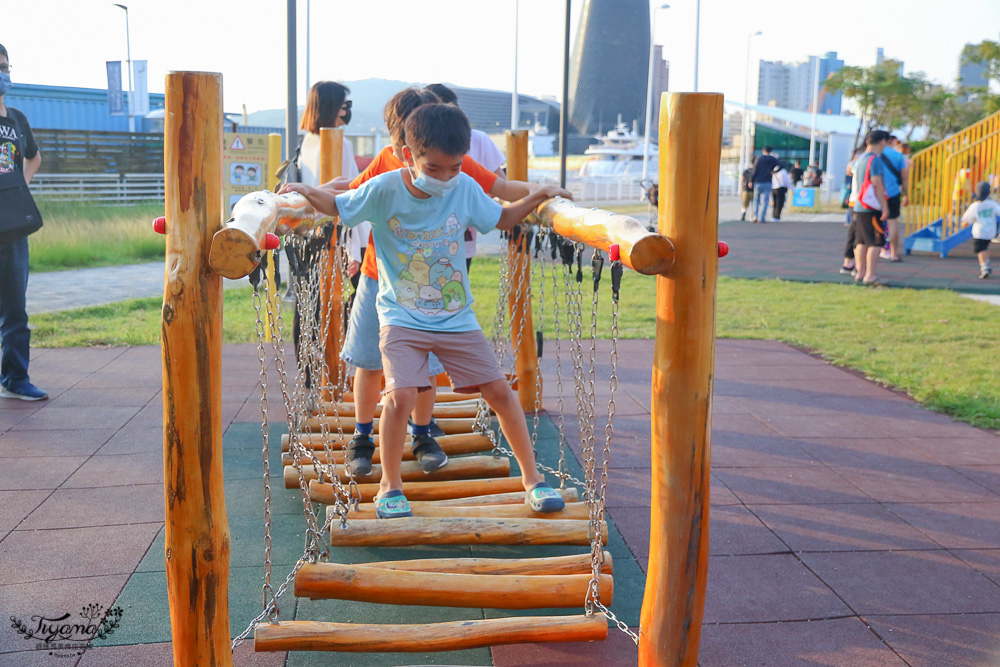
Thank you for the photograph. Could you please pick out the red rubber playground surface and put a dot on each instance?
(848, 525)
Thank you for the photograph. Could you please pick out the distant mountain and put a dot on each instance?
(369, 96)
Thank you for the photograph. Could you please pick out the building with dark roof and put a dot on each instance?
(489, 110)
(609, 64)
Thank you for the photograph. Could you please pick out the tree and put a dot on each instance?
(883, 95)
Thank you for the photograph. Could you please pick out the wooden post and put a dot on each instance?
(197, 533)
(519, 299)
(683, 367)
(273, 160)
(331, 147)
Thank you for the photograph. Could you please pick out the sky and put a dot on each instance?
(464, 42)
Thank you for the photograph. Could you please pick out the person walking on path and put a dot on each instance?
(763, 166)
(896, 179)
(781, 183)
(870, 208)
(19, 217)
(982, 214)
(746, 192)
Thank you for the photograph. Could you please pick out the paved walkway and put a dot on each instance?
(848, 525)
(810, 248)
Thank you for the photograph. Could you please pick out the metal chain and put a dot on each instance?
(559, 383)
(267, 592)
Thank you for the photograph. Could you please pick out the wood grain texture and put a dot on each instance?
(528, 566)
(412, 531)
(449, 426)
(419, 638)
(462, 467)
(683, 368)
(519, 298)
(197, 541)
(442, 411)
(451, 444)
(460, 488)
(642, 250)
(360, 583)
(331, 150)
(459, 440)
(501, 511)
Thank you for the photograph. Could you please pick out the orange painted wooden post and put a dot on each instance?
(331, 148)
(197, 533)
(519, 300)
(683, 368)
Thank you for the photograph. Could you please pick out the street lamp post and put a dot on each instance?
(128, 54)
(649, 95)
(745, 128)
(812, 129)
(697, 38)
(514, 113)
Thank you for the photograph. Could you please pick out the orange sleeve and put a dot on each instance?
(383, 162)
(481, 174)
(368, 265)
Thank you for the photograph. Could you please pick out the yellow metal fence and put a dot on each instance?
(943, 176)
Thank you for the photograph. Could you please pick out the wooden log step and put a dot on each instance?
(360, 583)
(470, 441)
(570, 495)
(460, 467)
(579, 511)
(445, 410)
(578, 564)
(449, 426)
(412, 531)
(427, 637)
(462, 488)
(453, 445)
(442, 397)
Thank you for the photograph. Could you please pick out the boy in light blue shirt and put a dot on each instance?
(419, 216)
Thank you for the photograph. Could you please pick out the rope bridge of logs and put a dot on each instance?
(473, 500)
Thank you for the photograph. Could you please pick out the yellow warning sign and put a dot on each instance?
(244, 166)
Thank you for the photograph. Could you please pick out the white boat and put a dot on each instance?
(619, 153)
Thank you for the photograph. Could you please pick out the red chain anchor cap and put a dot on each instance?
(271, 241)
(160, 225)
(723, 249)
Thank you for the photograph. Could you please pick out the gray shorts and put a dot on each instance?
(466, 356)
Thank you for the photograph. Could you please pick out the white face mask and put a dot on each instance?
(430, 185)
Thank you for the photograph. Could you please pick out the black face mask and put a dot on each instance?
(347, 116)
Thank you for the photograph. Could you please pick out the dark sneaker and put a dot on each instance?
(847, 271)
(393, 505)
(543, 498)
(428, 452)
(436, 431)
(359, 455)
(24, 391)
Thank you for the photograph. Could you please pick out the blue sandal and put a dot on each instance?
(393, 505)
(543, 498)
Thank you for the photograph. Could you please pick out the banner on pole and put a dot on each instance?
(116, 102)
(141, 90)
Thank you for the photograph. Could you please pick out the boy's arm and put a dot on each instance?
(512, 191)
(516, 212)
(880, 194)
(970, 214)
(322, 200)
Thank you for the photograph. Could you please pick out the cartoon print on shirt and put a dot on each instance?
(8, 157)
(441, 272)
(453, 248)
(451, 225)
(430, 302)
(419, 269)
(454, 294)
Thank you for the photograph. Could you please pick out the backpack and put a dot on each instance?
(866, 194)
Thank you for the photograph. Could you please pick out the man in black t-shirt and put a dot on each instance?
(760, 174)
(796, 172)
(19, 160)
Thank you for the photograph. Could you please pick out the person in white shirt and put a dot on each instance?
(481, 149)
(982, 214)
(781, 183)
(328, 106)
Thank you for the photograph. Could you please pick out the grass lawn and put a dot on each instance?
(77, 235)
(933, 344)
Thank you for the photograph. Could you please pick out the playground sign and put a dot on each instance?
(804, 197)
(244, 161)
